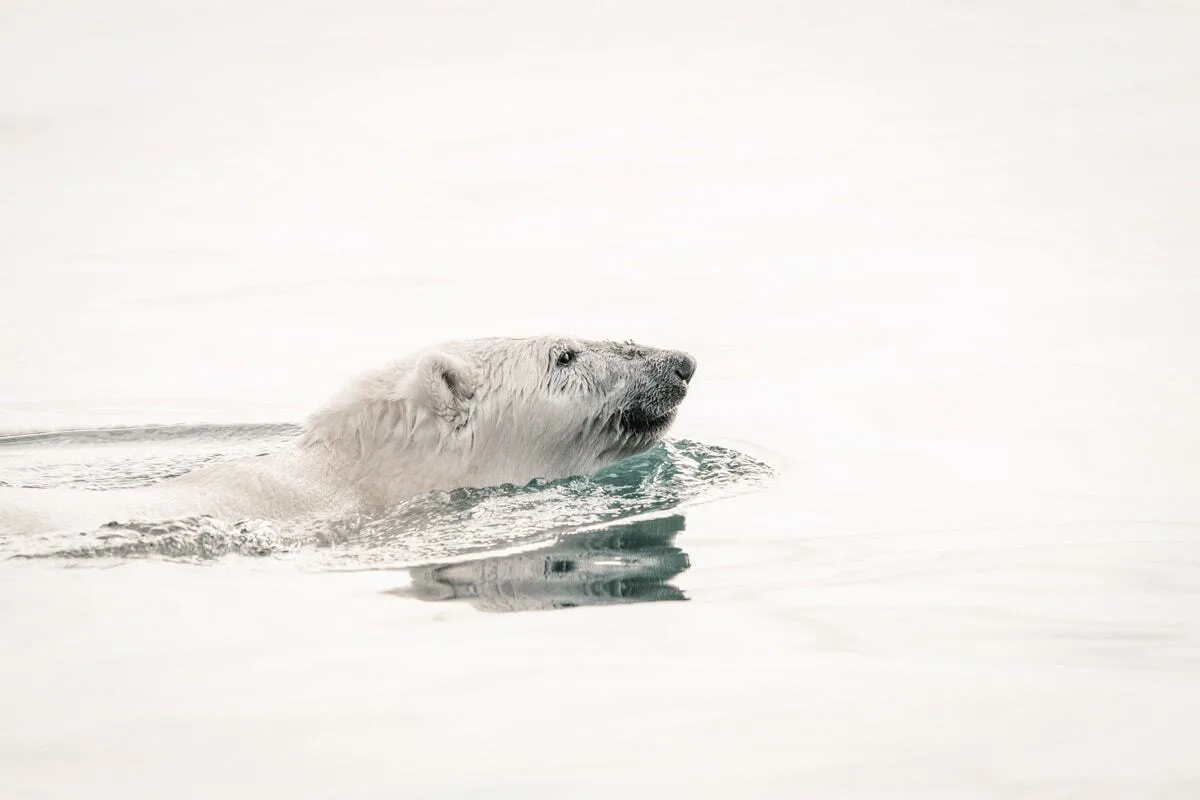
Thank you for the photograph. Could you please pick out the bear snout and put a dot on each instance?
(683, 365)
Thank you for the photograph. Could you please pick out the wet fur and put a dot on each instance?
(491, 411)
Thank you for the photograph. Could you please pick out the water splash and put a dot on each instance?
(433, 527)
(441, 525)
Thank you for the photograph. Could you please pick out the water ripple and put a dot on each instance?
(428, 528)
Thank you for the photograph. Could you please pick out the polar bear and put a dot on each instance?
(470, 413)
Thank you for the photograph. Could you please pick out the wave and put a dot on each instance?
(431, 528)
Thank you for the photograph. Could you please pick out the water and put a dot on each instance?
(436, 525)
(932, 527)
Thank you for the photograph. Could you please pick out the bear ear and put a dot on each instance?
(443, 383)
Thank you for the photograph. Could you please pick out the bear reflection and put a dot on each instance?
(628, 563)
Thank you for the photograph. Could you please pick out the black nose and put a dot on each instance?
(685, 365)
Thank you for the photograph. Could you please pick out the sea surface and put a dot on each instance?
(928, 524)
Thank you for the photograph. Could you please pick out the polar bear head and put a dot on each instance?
(490, 411)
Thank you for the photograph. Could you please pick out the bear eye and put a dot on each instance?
(565, 358)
